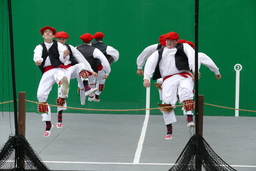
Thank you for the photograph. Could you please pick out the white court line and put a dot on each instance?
(122, 163)
(108, 163)
(136, 159)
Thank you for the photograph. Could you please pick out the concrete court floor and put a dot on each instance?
(98, 142)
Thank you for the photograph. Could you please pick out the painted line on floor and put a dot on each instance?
(123, 163)
(136, 159)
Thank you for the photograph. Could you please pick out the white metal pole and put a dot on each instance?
(238, 68)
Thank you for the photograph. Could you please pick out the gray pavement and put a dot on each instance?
(98, 142)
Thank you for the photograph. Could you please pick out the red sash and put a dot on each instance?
(47, 68)
(65, 66)
(100, 67)
(183, 74)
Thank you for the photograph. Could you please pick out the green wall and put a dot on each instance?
(225, 34)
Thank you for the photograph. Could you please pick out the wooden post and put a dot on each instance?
(21, 126)
(22, 114)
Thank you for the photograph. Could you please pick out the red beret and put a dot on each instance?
(47, 27)
(162, 40)
(172, 36)
(182, 41)
(86, 37)
(191, 44)
(98, 35)
(62, 34)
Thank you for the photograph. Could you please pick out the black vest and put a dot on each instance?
(87, 52)
(159, 46)
(181, 60)
(72, 58)
(103, 48)
(157, 73)
(53, 54)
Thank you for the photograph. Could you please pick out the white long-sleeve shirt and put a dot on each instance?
(145, 54)
(39, 50)
(167, 65)
(208, 62)
(112, 52)
(80, 59)
(104, 62)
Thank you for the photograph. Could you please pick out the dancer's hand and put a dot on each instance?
(146, 83)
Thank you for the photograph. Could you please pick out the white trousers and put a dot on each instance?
(71, 73)
(45, 86)
(160, 81)
(173, 86)
(95, 81)
(48, 79)
(47, 116)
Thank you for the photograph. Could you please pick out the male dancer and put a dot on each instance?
(50, 57)
(175, 65)
(76, 67)
(93, 56)
(111, 54)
